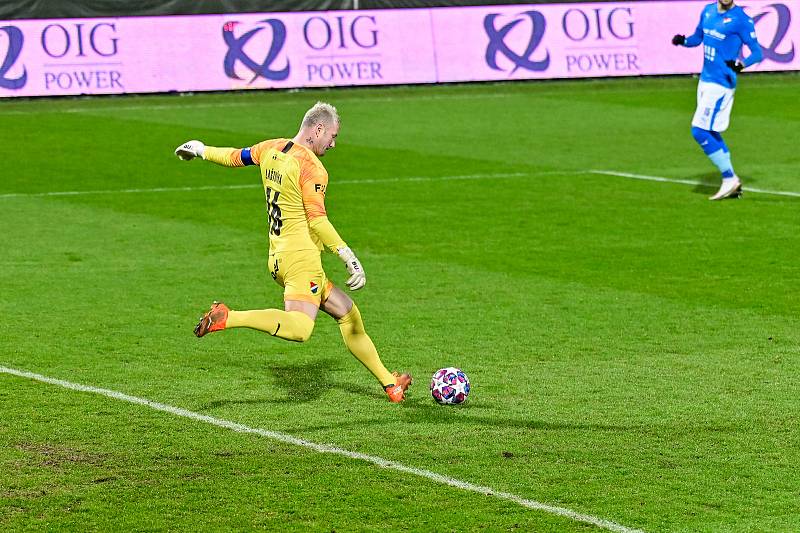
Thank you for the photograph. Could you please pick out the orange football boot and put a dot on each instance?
(213, 320)
(397, 391)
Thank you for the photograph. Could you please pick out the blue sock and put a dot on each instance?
(715, 148)
(719, 139)
(722, 160)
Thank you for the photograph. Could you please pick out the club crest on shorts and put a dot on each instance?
(314, 288)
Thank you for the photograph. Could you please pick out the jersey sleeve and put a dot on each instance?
(313, 183)
(255, 152)
(229, 157)
(323, 232)
(748, 36)
(697, 37)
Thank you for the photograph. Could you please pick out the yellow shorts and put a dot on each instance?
(301, 276)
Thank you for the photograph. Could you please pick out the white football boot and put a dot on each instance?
(730, 187)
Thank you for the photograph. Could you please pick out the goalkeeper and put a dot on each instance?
(722, 30)
(295, 182)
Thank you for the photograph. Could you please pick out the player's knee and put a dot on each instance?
(302, 328)
(700, 135)
(304, 333)
(352, 320)
(303, 336)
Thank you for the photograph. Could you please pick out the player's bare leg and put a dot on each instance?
(306, 308)
(341, 307)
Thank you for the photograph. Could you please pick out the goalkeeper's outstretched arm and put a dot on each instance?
(229, 157)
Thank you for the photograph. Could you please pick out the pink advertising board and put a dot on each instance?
(594, 40)
(381, 47)
(214, 52)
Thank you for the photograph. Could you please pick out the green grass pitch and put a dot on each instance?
(633, 347)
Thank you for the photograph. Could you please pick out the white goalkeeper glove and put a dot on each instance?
(357, 277)
(190, 149)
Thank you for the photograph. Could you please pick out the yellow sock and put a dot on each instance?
(360, 345)
(290, 325)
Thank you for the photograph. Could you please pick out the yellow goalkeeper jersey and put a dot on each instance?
(294, 185)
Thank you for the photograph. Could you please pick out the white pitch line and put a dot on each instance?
(686, 182)
(324, 448)
(509, 175)
(124, 191)
(252, 186)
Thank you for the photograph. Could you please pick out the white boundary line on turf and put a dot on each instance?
(685, 182)
(509, 175)
(254, 185)
(323, 448)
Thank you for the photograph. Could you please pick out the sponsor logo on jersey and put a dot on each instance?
(714, 33)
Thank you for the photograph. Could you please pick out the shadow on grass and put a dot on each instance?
(470, 413)
(302, 383)
(711, 182)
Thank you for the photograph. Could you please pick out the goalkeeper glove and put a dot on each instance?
(190, 149)
(679, 40)
(357, 277)
(736, 66)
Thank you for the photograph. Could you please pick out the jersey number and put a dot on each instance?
(274, 210)
(710, 52)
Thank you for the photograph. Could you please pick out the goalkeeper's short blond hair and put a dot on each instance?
(321, 112)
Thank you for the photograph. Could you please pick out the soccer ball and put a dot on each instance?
(449, 386)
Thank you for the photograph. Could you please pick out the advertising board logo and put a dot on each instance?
(781, 30)
(83, 57)
(602, 41)
(15, 41)
(236, 53)
(344, 49)
(497, 42)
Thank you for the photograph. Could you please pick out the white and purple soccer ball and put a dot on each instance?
(449, 386)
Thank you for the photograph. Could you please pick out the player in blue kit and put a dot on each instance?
(722, 30)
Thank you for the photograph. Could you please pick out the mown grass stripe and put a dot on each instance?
(253, 185)
(324, 448)
(465, 177)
